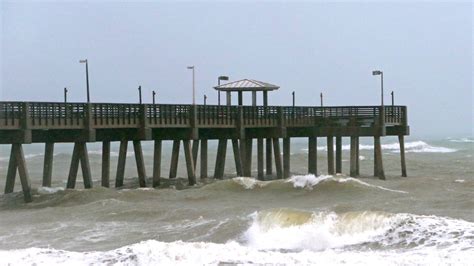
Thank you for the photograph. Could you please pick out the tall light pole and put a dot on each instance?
(377, 73)
(65, 95)
(205, 99)
(194, 89)
(393, 99)
(218, 84)
(87, 78)
(154, 93)
(293, 94)
(321, 96)
(140, 94)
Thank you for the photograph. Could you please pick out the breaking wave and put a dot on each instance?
(286, 236)
(413, 146)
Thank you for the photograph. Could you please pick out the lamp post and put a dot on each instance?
(218, 84)
(393, 99)
(321, 96)
(194, 90)
(65, 95)
(154, 93)
(87, 78)
(205, 99)
(293, 95)
(377, 73)
(140, 94)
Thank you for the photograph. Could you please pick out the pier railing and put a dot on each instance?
(46, 115)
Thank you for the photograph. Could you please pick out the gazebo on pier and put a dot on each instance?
(244, 85)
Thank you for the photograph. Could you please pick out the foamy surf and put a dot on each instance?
(412, 146)
(310, 181)
(291, 237)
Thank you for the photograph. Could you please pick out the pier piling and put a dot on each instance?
(268, 156)
(313, 155)
(277, 155)
(338, 154)
(330, 149)
(237, 157)
(48, 164)
(122, 159)
(137, 149)
(157, 163)
(17, 162)
(189, 162)
(203, 159)
(286, 157)
(105, 180)
(260, 159)
(379, 172)
(401, 140)
(174, 159)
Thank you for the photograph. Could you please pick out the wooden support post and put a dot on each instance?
(260, 158)
(401, 140)
(48, 164)
(268, 156)
(71, 180)
(195, 153)
(174, 159)
(11, 172)
(220, 159)
(254, 98)
(203, 158)
(353, 157)
(378, 158)
(122, 159)
(137, 149)
(286, 157)
(237, 157)
(248, 157)
(338, 154)
(189, 162)
(313, 155)
(106, 164)
(17, 162)
(85, 165)
(330, 144)
(357, 157)
(277, 154)
(157, 163)
(23, 171)
(240, 98)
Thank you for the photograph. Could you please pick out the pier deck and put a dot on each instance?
(49, 122)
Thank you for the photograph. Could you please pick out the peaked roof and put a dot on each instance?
(247, 85)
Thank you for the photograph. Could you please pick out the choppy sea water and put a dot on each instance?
(427, 218)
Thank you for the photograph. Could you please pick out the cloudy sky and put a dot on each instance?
(424, 49)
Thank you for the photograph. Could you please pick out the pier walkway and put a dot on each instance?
(193, 125)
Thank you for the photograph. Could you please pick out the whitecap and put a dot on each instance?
(49, 190)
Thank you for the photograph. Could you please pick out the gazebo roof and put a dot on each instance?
(247, 85)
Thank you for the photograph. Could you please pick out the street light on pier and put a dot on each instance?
(65, 95)
(293, 94)
(393, 99)
(379, 73)
(321, 96)
(205, 99)
(154, 93)
(218, 84)
(194, 89)
(87, 78)
(140, 94)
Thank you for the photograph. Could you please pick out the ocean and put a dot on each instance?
(424, 219)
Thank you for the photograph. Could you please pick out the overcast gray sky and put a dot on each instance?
(424, 49)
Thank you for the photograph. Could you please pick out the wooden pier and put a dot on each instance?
(192, 126)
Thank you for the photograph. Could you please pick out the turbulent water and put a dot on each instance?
(427, 218)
